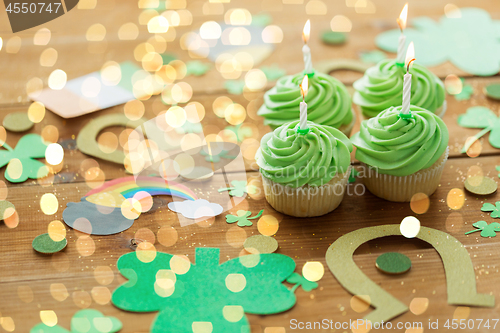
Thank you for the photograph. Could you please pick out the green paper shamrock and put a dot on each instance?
(299, 280)
(216, 157)
(466, 92)
(239, 188)
(481, 117)
(353, 175)
(487, 230)
(372, 57)
(498, 169)
(234, 87)
(470, 42)
(205, 296)
(273, 72)
(242, 217)
(241, 133)
(21, 160)
(88, 321)
(196, 68)
(189, 127)
(494, 209)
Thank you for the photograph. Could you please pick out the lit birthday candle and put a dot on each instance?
(402, 39)
(306, 51)
(303, 127)
(410, 57)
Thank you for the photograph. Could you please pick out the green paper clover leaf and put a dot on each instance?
(196, 68)
(21, 160)
(494, 209)
(234, 87)
(470, 42)
(239, 188)
(88, 321)
(498, 169)
(181, 291)
(481, 117)
(487, 230)
(466, 92)
(299, 280)
(242, 217)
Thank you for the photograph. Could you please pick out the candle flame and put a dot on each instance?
(410, 56)
(304, 86)
(307, 31)
(402, 17)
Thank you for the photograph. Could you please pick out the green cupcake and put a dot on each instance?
(401, 157)
(382, 87)
(304, 174)
(328, 102)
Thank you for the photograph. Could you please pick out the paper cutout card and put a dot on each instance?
(469, 40)
(89, 93)
(208, 296)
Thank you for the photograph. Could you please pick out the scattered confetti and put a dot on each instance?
(251, 284)
(17, 122)
(22, 163)
(334, 37)
(242, 217)
(45, 244)
(197, 68)
(480, 185)
(273, 72)
(494, 209)
(239, 188)
(301, 281)
(487, 230)
(481, 117)
(493, 91)
(234, 87)
(393, 263)
(372, 57)
(260, 244)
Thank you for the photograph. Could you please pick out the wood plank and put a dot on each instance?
(302, 239)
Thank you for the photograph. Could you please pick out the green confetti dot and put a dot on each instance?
(393, 263)
(333, 37)
(17, 122)
(260, 244)
(44, 244)
(493, 91)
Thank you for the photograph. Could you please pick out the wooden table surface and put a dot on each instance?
(26, 276)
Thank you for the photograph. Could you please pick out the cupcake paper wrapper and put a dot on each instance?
(306, 201)
(402, 189)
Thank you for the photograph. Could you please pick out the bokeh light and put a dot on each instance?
(48, 317)
(453, 84)
(419, 305)
(56, 231)
(313, 270)
(49, 204)
(360, 303)
(54, 154)
(410, 227)
(420, 203)
(340, 23)
(36, 112)
(57, 79)
(210, 30)
(272, 34)
(268, 225)
(455, 198)
(158, 25)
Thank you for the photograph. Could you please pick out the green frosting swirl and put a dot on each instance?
(382, 87)
(294, 159)
(328, 102)
(401, 147)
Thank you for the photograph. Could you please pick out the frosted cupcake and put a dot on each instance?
(328, 102)
(382, 87)
(401, 157)
(304, 174)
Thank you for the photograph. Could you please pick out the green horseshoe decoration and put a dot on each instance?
(460, 277)
(86, 140)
